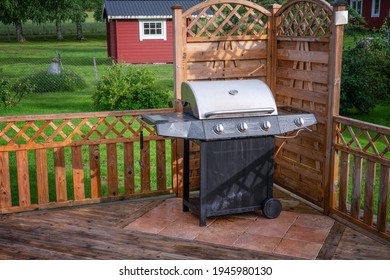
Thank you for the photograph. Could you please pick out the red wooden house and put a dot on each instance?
(141, 31)
(373, 11)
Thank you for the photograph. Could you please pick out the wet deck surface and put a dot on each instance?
(158, 229)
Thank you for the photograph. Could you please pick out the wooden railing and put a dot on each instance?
(69, 159)
(362, 175)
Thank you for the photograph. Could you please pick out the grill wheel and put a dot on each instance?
(272, 208)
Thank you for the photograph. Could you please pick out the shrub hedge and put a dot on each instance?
(127, 87)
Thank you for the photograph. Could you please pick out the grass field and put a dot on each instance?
(20, 60)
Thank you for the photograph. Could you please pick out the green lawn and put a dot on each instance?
(20, 60)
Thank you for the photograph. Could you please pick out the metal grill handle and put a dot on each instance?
(239, 111)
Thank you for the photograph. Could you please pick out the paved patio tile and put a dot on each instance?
(218, 236)
(228, 223)
(298, 248)
(317, 235)
(257, 242)
(267, 227)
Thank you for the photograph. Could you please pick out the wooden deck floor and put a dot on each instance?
(99, 232)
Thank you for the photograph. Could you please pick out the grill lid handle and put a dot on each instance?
(239, 111)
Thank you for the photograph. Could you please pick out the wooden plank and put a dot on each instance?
(242, 45)
(112, 170)
(23, 178)
(227, 38)
(226, 73)
(78, 173)
(95, 172)
(318, 97)
(344, 177)
(6, 119)
(161, 165)
(332, 241)
(48, 145)
(306, 151)
(235, 54)
(298, 168)
(145, 167)
(42, 176)
(369, 192)
(302, 75)
(383, 200)
(60, 174)
(356, 186)
(306, 56)
(303, 39)
(5, 181)
(128, 149)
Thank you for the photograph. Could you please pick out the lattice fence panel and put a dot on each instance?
(363, 178)
(56, 132)
(305, 19)
(226, 20)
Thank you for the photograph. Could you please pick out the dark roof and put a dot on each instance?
(117, 9)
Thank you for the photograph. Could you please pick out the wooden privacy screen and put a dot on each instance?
(302, 68)
(68, 159)
(289, 49)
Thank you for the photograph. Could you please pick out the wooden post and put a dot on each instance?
(178, 54)
(177, 144)
(335, 64)
(274, 53)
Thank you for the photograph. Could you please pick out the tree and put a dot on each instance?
(80, 7)
(54, 11)
(15, 12)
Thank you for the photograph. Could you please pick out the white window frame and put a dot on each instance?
(354, 5)
(143, 36)
(377, 13)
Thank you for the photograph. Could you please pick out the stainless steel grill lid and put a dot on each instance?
(227, 99)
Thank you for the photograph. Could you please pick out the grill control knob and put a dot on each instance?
(218, 128)
(299, 122)
(265, 125)
(242, 127)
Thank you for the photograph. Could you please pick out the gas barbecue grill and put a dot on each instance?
(234, 122)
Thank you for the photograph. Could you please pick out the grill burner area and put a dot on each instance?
(235, 123)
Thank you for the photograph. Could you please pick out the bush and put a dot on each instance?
(12, 94)
(65, 81)
(366, 75)
(129, 88)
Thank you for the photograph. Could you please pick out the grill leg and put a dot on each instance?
(203, 206)
(186, 175)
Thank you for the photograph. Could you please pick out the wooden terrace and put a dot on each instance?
(104, 185)
(141, 229)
